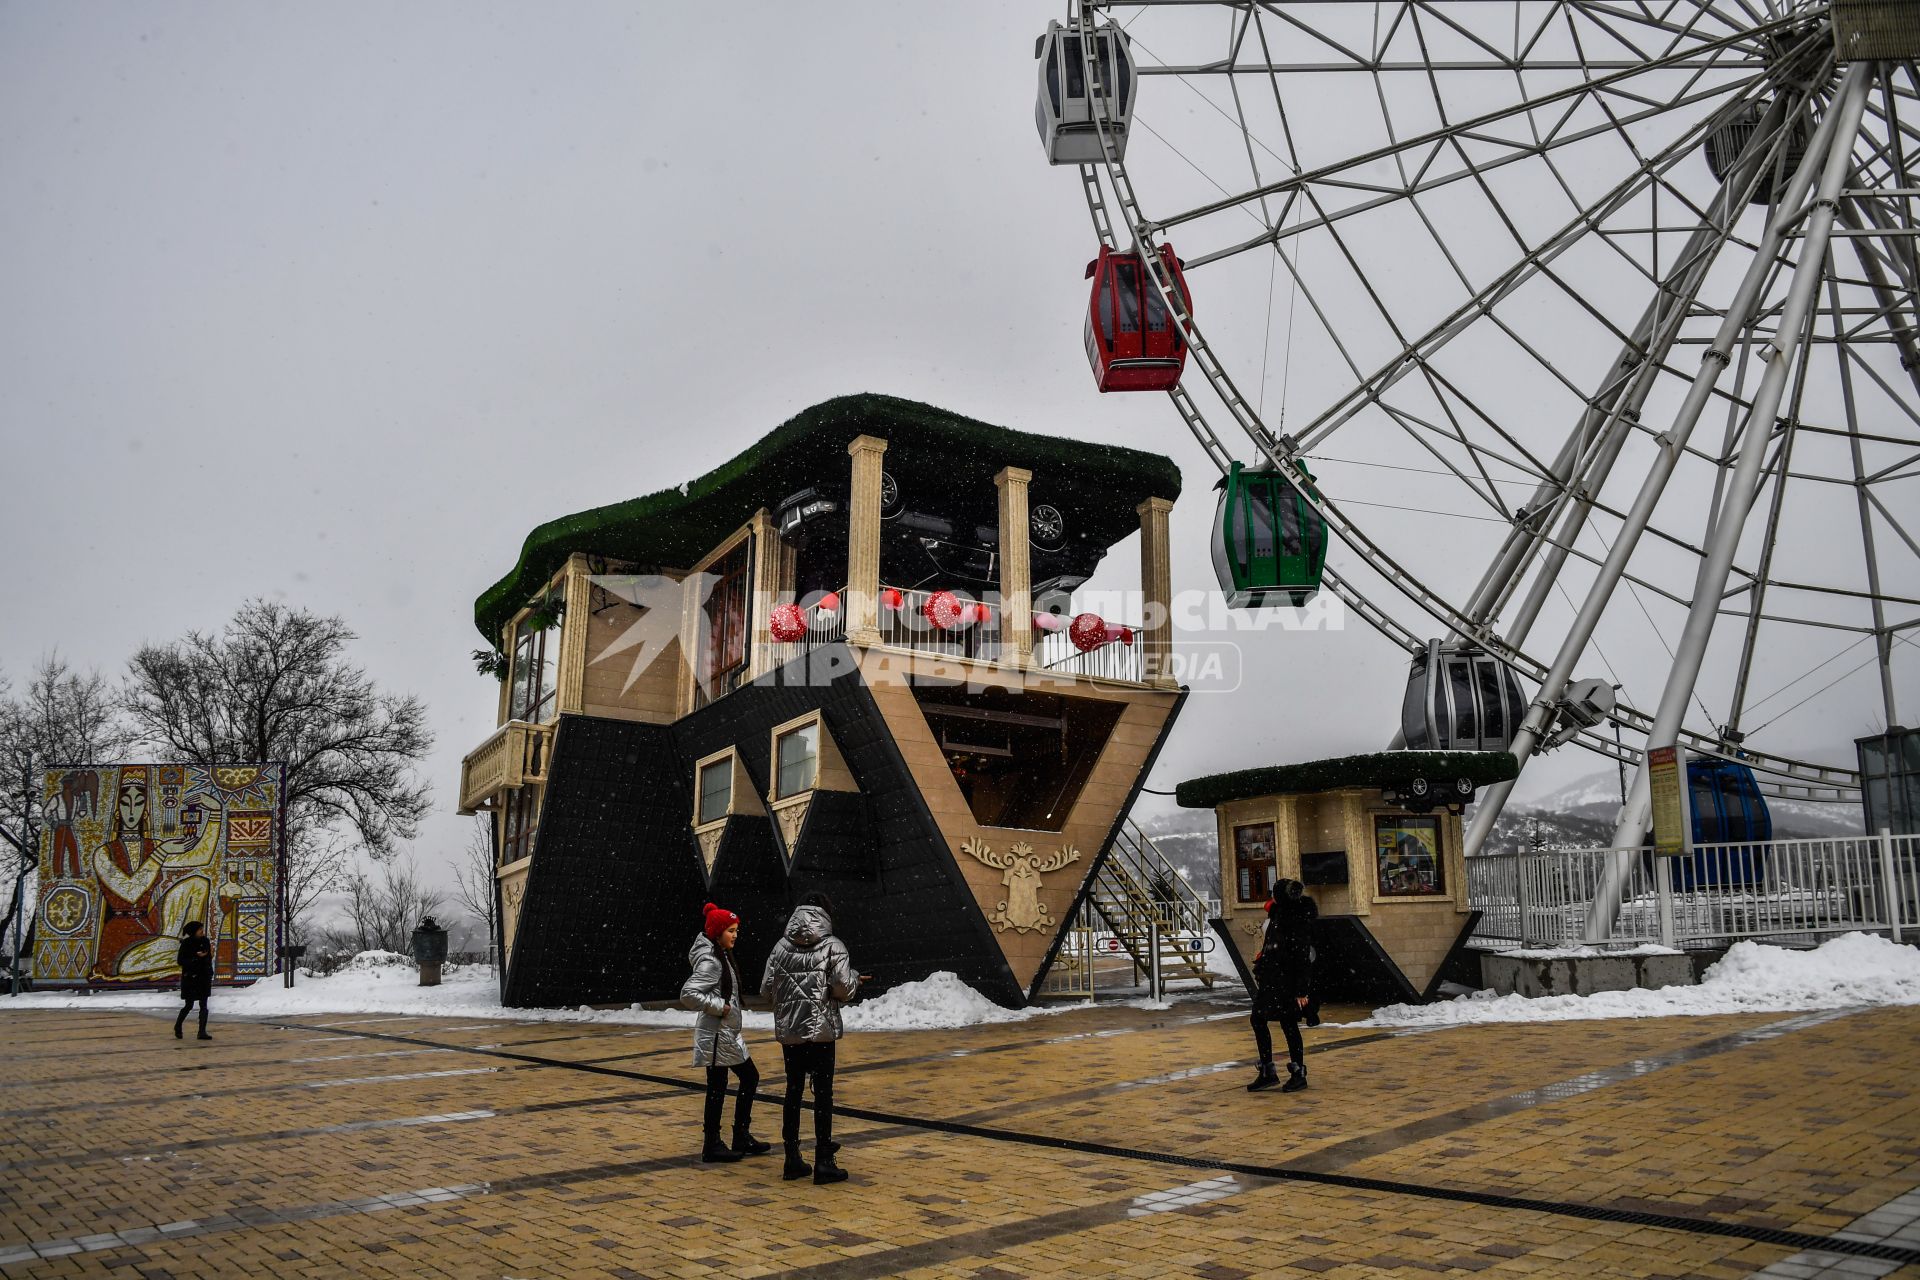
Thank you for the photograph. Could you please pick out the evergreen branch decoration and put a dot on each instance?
(490, 662)
(930, 449)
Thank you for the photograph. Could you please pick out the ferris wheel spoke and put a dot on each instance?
(1530, 265)
(1329, 177)
(1477, 123)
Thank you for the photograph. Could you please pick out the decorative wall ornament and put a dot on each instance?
(710, 845)
(790, 819)
(1252, 928)
(1021, 910)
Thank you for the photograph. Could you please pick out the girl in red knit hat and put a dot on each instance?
(718, 1045)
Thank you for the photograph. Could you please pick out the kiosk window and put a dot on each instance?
(1406, 850)
(796, 753)
(1253, 861)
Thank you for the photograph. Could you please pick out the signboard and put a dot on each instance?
(1667, 795)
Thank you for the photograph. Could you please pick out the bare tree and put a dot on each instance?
(473, 877)
(382, 913)
(274, 685)
(63, 717)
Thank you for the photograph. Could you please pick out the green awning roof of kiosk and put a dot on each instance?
(928, 450)
(1378, 769)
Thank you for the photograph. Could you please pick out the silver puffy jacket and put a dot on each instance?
(717, 1041)
(809, 976)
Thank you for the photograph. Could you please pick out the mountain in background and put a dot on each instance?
(1580, 814)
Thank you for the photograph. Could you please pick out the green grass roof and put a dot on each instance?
(1379, 769)
(926, 448)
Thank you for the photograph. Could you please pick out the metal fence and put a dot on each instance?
(1792, 891)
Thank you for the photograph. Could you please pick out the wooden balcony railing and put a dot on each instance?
(514, 756)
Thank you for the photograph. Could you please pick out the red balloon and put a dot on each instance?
(1088, 631)
(829, 603)
(944, 610)
(787, 623)
(982, 614)
(1126, 635)
(890, 598)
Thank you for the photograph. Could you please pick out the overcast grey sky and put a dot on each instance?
(334, 303)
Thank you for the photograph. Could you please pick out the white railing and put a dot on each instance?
(1792, 891)
(1114, 660)
(909, 628)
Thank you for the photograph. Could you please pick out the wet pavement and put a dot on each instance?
(1106, 1141)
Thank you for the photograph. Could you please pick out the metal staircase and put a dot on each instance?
(1142, 900)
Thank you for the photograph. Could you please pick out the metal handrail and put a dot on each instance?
(1780, 890)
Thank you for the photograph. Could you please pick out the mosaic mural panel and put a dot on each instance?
(130, 853)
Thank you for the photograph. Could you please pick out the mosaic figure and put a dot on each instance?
(150, 887)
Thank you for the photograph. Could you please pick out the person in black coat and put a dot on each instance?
(1283, 978)
(196, 975)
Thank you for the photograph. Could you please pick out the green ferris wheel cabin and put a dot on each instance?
(847, 659)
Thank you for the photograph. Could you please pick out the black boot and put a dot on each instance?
(1267, 1078)
(825, 1170)
(746, 1144)
(715, 1151)
(796, 1167)
(1296, 1078)
(178, 1023)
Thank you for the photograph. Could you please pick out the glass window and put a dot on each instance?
(1053, 80)
(1127, 281)
(1406, 851)
(1158, 319)
(535, 676)
(1493, 711)
(1076, 69)
(519, 821)
(1106, 306)
(1253, 861)
(727, 619)
(1460, 683)
(797, 755)
(1260, 508)
(716, 789)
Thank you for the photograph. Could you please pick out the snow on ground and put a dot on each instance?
(1853, 969)
(377, 982)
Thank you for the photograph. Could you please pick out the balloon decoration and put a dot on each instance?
(1048, 622)
(829, 603)
(787, 623)
(891, 599)
(1088, 631)
(944, 610)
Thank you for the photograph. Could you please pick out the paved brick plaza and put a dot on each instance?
(382, 1146)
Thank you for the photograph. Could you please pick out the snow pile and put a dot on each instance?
(1853, 969)
(931, 1004)
(385, 982)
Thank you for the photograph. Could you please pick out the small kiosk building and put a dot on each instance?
(1376, 840)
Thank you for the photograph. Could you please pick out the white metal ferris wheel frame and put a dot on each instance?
(1780, 775)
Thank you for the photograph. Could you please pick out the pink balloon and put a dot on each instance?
(944, 610)
(787, 623)
(829, 603)
(1088, 631)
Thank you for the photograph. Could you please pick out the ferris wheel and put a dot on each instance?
(1596, 321)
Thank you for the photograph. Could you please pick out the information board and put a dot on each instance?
(1671, 828)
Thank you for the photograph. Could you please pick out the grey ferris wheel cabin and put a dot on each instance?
(1070, 103)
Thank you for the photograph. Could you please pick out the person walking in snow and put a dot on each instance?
(1283, 980)
(809, 976)
(196, 976)
(718, 1043)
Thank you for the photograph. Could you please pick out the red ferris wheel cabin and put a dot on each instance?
(1132, 341)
